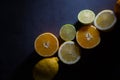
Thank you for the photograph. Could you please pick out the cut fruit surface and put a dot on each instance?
(67, 32)
(105, 20)
(88, 37)
(46, 44)
(117, 9)
(69, 52)
(86, 16)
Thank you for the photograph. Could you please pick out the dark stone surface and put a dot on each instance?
(24, 20)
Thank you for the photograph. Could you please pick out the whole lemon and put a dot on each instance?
(46, 69)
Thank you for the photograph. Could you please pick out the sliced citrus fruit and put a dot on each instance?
(67, 32)
(69, 52)
(117, 9)
(105, 20)
(86, 16)
(46, 69)
(88, 37)
(46, 44)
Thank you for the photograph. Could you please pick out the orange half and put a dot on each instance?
(88, 37)
(46, 44)
(117, 9)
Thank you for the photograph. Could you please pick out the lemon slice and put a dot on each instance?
(69, 52)
(86, 16)
(105, 20)
(46, 44)
(67, 32)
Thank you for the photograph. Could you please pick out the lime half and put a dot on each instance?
(67, 32)
(86, 16)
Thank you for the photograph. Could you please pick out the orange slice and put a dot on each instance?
(88, 37)
(46, 44)
(117, 9)
(69, 52)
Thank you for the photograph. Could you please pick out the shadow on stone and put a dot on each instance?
(24, 71)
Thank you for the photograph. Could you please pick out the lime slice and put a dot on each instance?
(86, 16)
(67, 32)
(69, 52)
(105, 20)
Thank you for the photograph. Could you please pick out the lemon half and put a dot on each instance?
(105, 20)
(69, 52)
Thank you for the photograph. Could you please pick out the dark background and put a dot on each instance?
(24, 20)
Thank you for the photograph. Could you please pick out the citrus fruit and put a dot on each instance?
(67, 32)
(46, 44)
(105, 20)
(69, 52)
(117, 9)
(46, 69)
(86, 16)
(88, 37)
